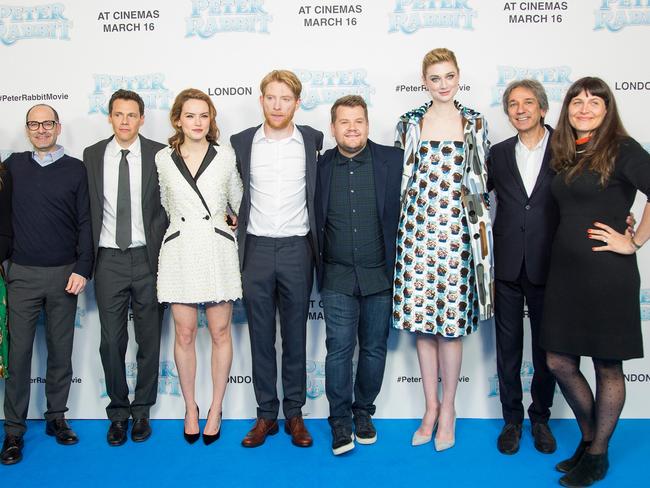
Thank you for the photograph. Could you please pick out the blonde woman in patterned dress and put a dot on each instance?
(443, 274)
(198, 260)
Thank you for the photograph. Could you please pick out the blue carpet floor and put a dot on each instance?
(166, 460)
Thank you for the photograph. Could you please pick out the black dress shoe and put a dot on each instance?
(508, 441)
(590, 468)
(544, 439)
(117, 432)
(568, 464)
(60, 429)
(12, 449)
(141, 430)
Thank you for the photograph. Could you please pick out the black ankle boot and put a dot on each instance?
(568, 464)
(590, 468)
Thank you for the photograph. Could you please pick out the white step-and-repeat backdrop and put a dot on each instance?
(73, 54)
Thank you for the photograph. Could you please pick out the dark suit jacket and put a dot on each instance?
(242, 143)
(387, 168)
(524, 226)
(153, 213)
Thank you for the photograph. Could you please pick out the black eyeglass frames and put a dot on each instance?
(47, 125)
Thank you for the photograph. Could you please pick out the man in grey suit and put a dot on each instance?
(277, 245)
(128, 224)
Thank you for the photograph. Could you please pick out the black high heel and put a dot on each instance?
(210, 438)
(192, 438)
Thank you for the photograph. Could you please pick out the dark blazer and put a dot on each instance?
(524, 226)
(387, 164)
(153, 213)
(242, 143)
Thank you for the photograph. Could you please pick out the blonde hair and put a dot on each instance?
(438, 55)
(287, 77)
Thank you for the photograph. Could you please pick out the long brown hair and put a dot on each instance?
(178, 138)
(601, 151)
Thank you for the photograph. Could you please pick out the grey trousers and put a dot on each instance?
(123, 277)
(29, 290)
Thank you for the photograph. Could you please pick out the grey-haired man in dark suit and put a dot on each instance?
(526, 220)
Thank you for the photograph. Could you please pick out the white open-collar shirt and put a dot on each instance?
(278, 186)
(529, 161)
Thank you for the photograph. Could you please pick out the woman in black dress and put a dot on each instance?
(592, 294)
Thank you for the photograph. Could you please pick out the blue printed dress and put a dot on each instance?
(434, 286)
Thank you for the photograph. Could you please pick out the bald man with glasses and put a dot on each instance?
(50, 262)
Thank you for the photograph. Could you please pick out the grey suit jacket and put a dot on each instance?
(242, 143)
(153, 213)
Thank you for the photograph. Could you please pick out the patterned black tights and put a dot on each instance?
(596, 418)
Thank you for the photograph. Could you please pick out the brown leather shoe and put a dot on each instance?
(257, 435)
(300, 436)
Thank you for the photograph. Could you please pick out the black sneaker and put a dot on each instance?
(364, 429)
(508, 441)
(342, 439)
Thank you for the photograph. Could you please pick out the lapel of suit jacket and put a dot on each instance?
(246, 150)
(148, 166)
(325, 179)
(545, 169)
(192, 181)
(511, 158)
(98, 158)
(380, 170)
(310, 163)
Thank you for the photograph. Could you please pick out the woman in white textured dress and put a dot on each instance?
(198, 260)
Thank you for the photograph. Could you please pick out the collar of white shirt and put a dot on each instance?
(541, 143)
(113, 148)
(260, 136)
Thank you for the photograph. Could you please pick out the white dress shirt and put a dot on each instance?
(278, 186)
(529, 161)
(112, 157)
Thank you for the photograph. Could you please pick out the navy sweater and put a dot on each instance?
(50, 213)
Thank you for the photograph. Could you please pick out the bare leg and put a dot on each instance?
(219, 316)
(450, 357)
(427, 348)
(186, 326)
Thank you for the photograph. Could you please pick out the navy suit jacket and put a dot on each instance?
(387, 167)
(524, 226)
(242, 143)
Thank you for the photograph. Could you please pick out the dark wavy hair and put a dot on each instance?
(600, 153)
(178, 138)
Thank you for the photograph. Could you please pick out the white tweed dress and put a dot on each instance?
(198, 259)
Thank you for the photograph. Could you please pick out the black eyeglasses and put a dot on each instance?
(47, 124)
